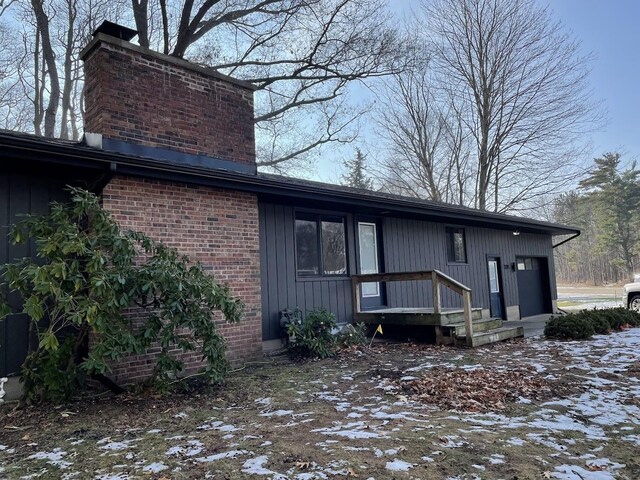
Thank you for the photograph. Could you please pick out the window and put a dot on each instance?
(528, 263)
(320, 245)
(456, 248)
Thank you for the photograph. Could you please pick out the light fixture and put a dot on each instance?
(516, 232)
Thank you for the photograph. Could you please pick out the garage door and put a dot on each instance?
(534, 291)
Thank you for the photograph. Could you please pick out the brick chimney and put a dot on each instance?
(154, 105)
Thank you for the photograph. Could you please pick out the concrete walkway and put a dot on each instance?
(533, 326)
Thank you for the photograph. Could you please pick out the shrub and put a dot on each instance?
(584, 324)
(627, 317)
(312, 336)
(569, 327)
(353, 334)
(88, 273)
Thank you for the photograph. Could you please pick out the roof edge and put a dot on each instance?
(33, 147)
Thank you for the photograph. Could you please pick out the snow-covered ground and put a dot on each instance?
(572, 297)
(343, 417)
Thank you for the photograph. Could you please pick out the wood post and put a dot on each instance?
(355, 290)
(435, 285)
(468, 320)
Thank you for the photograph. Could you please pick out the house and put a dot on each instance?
(170, 148)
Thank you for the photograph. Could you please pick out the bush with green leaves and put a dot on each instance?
(312, 336)
(353, 334)
(586, 323)
(89, 276)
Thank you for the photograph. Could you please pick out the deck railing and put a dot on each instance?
(436, 277)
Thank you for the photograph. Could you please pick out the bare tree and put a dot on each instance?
(519, 85)
(303, 55)
(428, 153)
(44, 84)
(13, 114)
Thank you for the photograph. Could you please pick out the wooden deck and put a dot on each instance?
(464, 326)
(415, 316)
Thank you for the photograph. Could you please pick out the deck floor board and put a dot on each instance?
(415, 316)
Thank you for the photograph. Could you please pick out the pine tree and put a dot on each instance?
(615, 195)
(356, 176)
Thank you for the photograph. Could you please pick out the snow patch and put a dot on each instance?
(256, 466)
(220, 456)
(155, 467)
(398, 466)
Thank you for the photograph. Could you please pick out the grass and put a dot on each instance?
(300, 417)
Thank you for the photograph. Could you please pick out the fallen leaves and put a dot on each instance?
(477, 390)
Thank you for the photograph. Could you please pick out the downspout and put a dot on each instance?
(104, 179)
(557, 245)
(566, 240)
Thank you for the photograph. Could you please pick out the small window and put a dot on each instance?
(321, 247)
(456, 245)
(528, 263)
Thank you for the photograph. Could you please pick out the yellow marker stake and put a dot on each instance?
(379, 329)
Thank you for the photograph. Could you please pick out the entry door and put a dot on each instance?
(495, 287)
(371, 293)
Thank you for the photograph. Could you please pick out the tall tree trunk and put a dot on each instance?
(68, 62)
(42, 22)
(38, 81)
(165, 26)
(140, 16)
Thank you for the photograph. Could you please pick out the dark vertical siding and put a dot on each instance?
(20, 195)
(416, 245)
(408, 245)
(281, 288)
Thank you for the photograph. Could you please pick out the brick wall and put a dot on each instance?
(217, 227)
(139, 96)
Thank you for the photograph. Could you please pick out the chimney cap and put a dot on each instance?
(115, 30)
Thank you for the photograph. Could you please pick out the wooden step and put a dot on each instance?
(456, 317)
(492, 336)
(478, 326)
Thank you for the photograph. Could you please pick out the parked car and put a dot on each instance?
(631, 296)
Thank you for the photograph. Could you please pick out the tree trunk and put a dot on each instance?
(42, 22)
(140, 16)
(68, 62)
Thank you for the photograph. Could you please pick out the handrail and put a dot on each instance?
(436, 277)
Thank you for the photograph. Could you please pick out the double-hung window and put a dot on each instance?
(321, 247)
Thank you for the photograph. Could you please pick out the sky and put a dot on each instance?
(609, 31)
